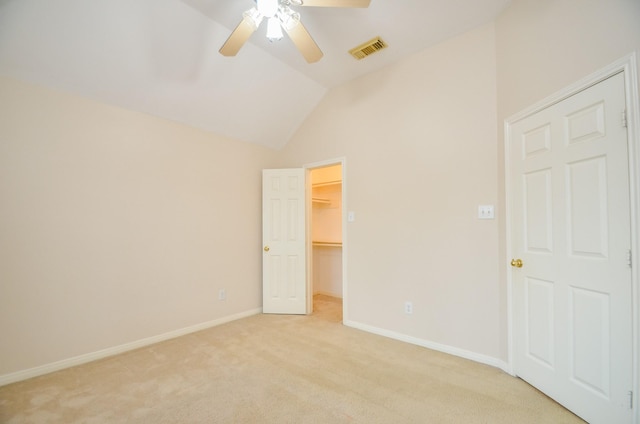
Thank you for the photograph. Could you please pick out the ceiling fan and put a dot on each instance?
(280, 16)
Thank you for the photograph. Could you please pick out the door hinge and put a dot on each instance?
(630, 399)
(624, 118)
(629, 258)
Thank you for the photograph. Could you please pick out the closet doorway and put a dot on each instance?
(326, 235)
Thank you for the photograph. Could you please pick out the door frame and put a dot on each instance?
(308, 168)
(628, 66)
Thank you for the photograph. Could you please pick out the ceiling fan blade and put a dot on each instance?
(303, 41)
(336, 3)
(238, 37)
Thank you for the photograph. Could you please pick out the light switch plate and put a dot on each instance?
(351, 216)
(485, 212)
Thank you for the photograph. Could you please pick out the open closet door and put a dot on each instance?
(284, 241)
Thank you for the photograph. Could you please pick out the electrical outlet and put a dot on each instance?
(408, 307)
(222, 294)
(485, 212)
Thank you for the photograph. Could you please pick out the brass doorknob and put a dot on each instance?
(266, 248)
(516, 263)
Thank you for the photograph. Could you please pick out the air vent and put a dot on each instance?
(368, 48)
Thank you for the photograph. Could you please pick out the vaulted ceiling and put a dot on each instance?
(161, 56)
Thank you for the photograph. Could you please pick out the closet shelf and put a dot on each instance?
(327, 183)
(320, 200)
(327, 243)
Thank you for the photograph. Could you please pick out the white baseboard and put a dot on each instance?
(462, 353)
(83, 359)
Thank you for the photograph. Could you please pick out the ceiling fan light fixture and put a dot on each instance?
(267, 8)
(288, 17)
(274, 31)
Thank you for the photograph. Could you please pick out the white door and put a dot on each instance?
(572, 306)
(284, 241)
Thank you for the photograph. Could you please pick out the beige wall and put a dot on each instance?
(116, 226)
(420, 144)
(543, 46)
(546, 45)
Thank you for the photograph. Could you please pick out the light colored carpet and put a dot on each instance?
(280, 369)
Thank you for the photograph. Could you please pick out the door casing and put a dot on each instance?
(627, 65)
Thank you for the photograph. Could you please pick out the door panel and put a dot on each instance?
(587, 203)
(589, 349)
(540, 320)
(571, 228)
(537, 212)
(284, 243)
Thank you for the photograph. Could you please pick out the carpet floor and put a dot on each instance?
(280, 369)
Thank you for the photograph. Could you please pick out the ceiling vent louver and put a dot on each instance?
(367, 49)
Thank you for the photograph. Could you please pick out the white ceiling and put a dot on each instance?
(161, 56)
